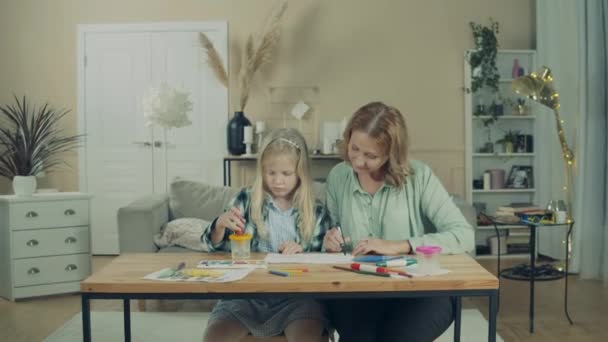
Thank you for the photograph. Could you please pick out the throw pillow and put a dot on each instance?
(183, 232)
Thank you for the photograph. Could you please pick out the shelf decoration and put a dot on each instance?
(538, 86)
(483, 58)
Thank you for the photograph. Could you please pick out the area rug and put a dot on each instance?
(188, 327)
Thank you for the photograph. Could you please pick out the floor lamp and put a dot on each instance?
(538, 86)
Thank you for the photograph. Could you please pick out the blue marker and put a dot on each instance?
(279, 273)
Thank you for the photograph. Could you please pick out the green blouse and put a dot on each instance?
(421, 210)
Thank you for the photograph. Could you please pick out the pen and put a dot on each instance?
(370, 268)
(279, 273)
(362, 272)
(343, 241)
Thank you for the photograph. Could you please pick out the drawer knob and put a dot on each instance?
(69, 212)
(31, 214)
(70, 239)
(33, 270)
(32, 243)
(71, 267)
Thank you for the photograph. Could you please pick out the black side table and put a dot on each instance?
(532, 273)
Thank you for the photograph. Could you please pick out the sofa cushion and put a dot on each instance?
(196, 199)
(183, 232)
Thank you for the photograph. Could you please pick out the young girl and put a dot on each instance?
(281, 213)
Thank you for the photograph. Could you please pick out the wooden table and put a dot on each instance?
(122, 279)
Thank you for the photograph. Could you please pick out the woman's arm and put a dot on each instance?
(322, 225)
(454, 233)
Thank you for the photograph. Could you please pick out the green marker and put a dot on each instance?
(397, 262)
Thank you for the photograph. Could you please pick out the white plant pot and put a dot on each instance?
(24, 185)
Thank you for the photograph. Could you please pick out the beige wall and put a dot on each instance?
(406, 53)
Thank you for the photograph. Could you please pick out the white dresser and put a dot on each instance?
(44, 244)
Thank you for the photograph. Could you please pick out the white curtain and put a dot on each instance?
(557, 48)
(572, 40)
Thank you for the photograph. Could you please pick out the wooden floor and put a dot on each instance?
(34, 319)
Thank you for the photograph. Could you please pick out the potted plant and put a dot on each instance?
(509, 140)
(483, 59)
(31, 142)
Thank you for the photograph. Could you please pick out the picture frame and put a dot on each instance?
(521, 177)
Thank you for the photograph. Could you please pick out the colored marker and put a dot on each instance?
(370, 268)
(343, 240)
(362, 272)
(397, 262)
(279, 273)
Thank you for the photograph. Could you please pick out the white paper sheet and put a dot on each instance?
(209, 276)
(415, 272)
(309, 258)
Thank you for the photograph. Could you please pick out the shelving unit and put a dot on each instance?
(478, 133)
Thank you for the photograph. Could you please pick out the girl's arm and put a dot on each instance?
(322, 225)
(215, 234)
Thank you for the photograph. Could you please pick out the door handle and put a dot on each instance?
(158, 143)
(142, 143)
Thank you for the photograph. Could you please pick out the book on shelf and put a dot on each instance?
(517, 209)
(519, 232)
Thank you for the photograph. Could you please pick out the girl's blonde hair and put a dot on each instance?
(288, 142)
(387, 125)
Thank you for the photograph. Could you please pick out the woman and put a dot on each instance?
(380, 199)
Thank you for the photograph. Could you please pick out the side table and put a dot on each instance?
(531, 272)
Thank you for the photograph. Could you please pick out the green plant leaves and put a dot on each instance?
(32, 140)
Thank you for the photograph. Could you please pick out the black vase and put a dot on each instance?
(235, 134)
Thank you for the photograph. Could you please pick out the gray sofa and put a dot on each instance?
(139, 221)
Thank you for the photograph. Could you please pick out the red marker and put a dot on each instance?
(370, 268)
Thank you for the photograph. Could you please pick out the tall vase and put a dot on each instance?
(235, 133)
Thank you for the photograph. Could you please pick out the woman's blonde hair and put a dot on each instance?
(288, 142)
(387, 125)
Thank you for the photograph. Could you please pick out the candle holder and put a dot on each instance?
(248, 139)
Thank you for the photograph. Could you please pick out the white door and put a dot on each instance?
(195, 151)
(123, 159)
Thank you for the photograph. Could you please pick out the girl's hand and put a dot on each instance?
(384, 247)
(290, 247)
(333, 241)
(232, 220)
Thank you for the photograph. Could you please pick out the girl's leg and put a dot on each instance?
(304, 330)
(225, 330)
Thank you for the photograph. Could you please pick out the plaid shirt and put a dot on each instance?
(242, 201)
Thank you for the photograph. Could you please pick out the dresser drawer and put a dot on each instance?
(46, 214)
(48, 270)
(41, 242)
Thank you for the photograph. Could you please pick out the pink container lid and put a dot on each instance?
(428, 250)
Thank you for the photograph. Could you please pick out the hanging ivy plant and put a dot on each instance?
(483, 59)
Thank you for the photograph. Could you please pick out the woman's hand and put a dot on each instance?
(290, 247)
(231, 219)
(384, 247)
(332, 241)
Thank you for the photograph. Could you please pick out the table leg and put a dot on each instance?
(457, 317)
(493, 314)
(86, 317)
(532, 274)
(127, 319)
(566, 274)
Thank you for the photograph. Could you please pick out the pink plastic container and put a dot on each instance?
(428, 259)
